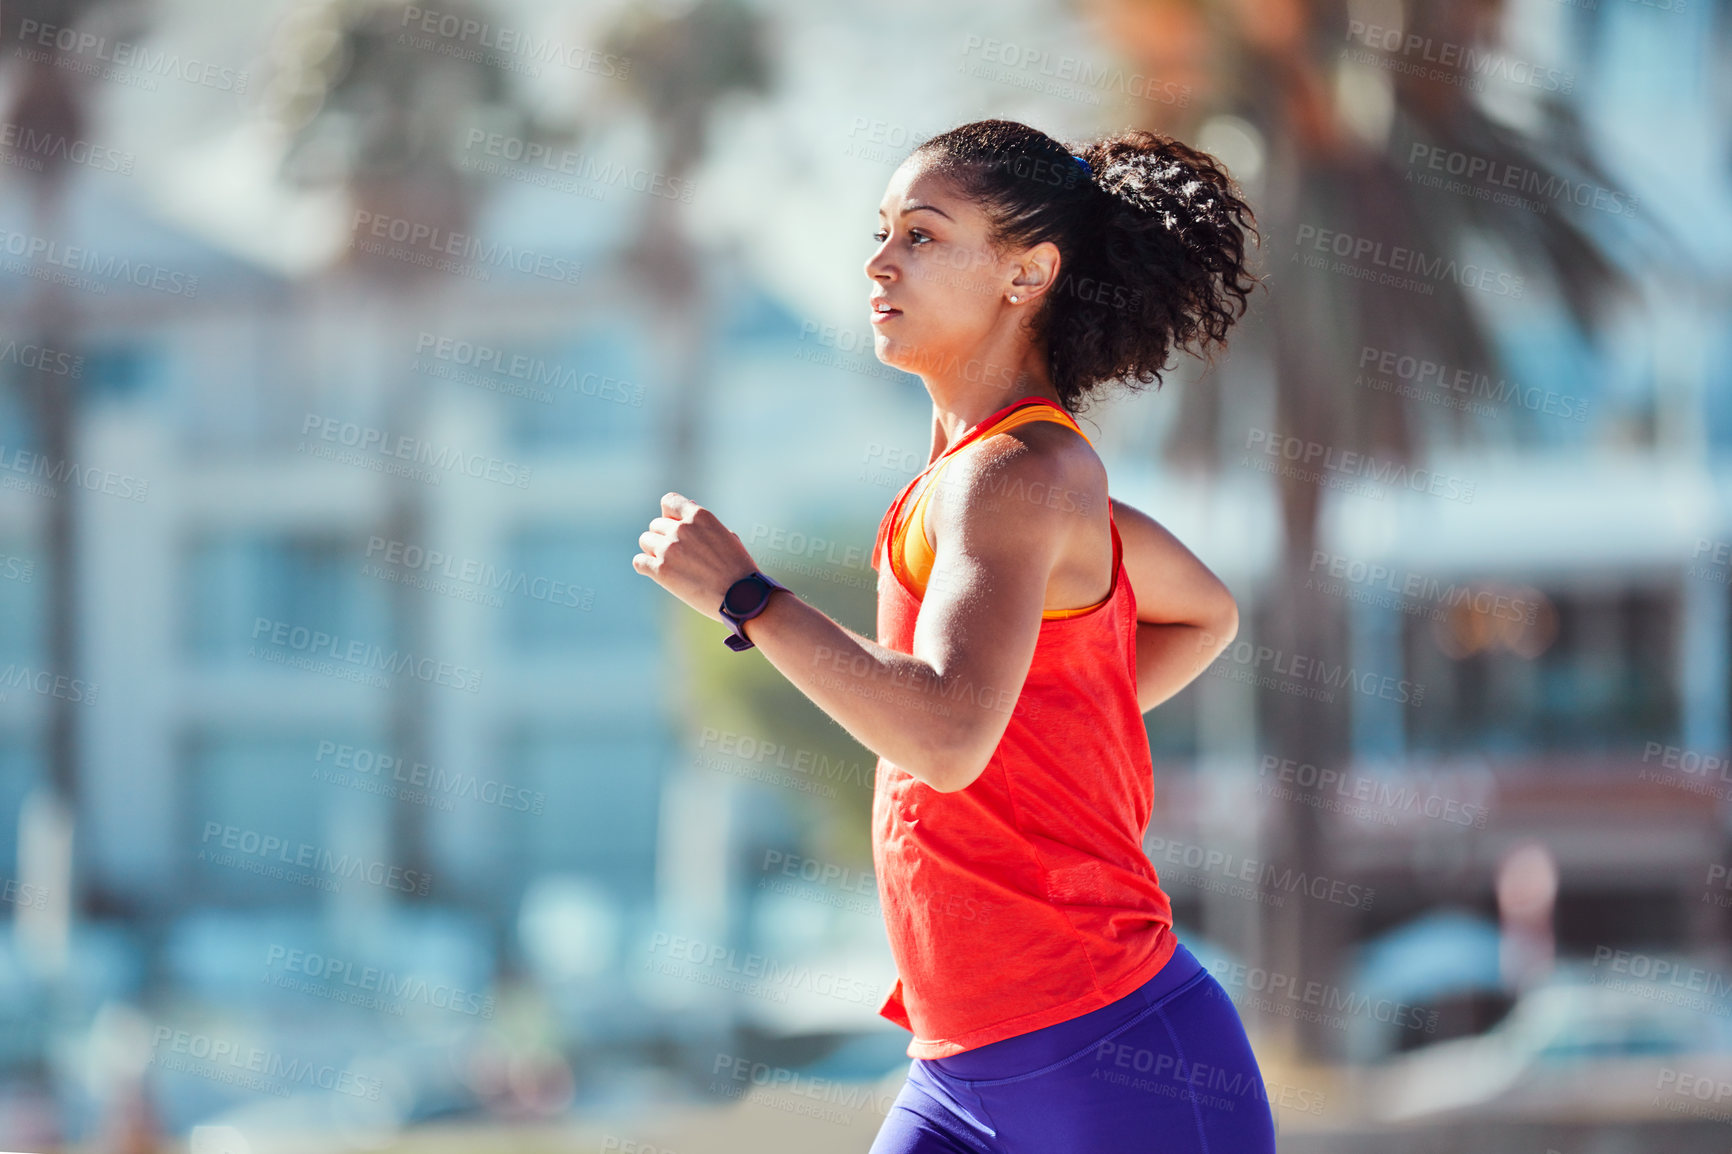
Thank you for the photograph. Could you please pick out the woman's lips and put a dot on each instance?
(879, 318)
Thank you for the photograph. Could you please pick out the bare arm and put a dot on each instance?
(1185, 616)
(939, 712)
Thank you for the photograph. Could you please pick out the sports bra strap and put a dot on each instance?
(993, 422)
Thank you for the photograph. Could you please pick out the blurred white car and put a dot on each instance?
(1579, 1047)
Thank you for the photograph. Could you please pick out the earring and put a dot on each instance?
(1012, 298)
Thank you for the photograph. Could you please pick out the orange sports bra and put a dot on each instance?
(911, 554)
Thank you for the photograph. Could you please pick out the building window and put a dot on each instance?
(580, 590)
(123, 372)
(1591, 671)
(23, 609)
(21, 770)
(601, 802)
(253, 805)
(236, 581)
(598, 392)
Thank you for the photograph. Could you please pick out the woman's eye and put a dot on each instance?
(914, 235)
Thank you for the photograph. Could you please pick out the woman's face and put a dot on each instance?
(933, 267)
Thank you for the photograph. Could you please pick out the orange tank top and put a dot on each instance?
(1025, 899)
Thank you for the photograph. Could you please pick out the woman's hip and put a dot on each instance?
(1170, 1069)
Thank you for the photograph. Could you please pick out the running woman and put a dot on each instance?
(1026, 621)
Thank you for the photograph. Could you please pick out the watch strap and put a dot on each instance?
(738, 641)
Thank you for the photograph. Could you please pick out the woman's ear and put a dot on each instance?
(1036, 271)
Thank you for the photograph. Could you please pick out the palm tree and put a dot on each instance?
(682, 67)
(49, 107)
(1337, 140)
(384, 120)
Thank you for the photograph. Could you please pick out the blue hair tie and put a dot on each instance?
(1087, 171)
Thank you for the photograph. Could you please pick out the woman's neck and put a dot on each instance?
(967, 403)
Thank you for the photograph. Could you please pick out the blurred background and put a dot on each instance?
(355, 792)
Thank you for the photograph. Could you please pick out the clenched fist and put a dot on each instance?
(692, 555)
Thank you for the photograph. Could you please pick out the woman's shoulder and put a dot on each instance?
(1041, 464)
(1048, 450)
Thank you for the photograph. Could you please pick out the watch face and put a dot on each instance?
(745, 595)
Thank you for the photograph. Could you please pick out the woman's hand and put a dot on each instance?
(692, 555)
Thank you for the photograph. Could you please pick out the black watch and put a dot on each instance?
(746, 599)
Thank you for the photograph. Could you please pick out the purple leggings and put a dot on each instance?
(1166, 1068)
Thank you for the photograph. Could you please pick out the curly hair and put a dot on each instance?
(1151, 240)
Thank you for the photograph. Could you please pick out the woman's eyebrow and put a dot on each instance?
(914, 206)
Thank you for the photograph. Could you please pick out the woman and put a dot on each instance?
(1025, 623)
